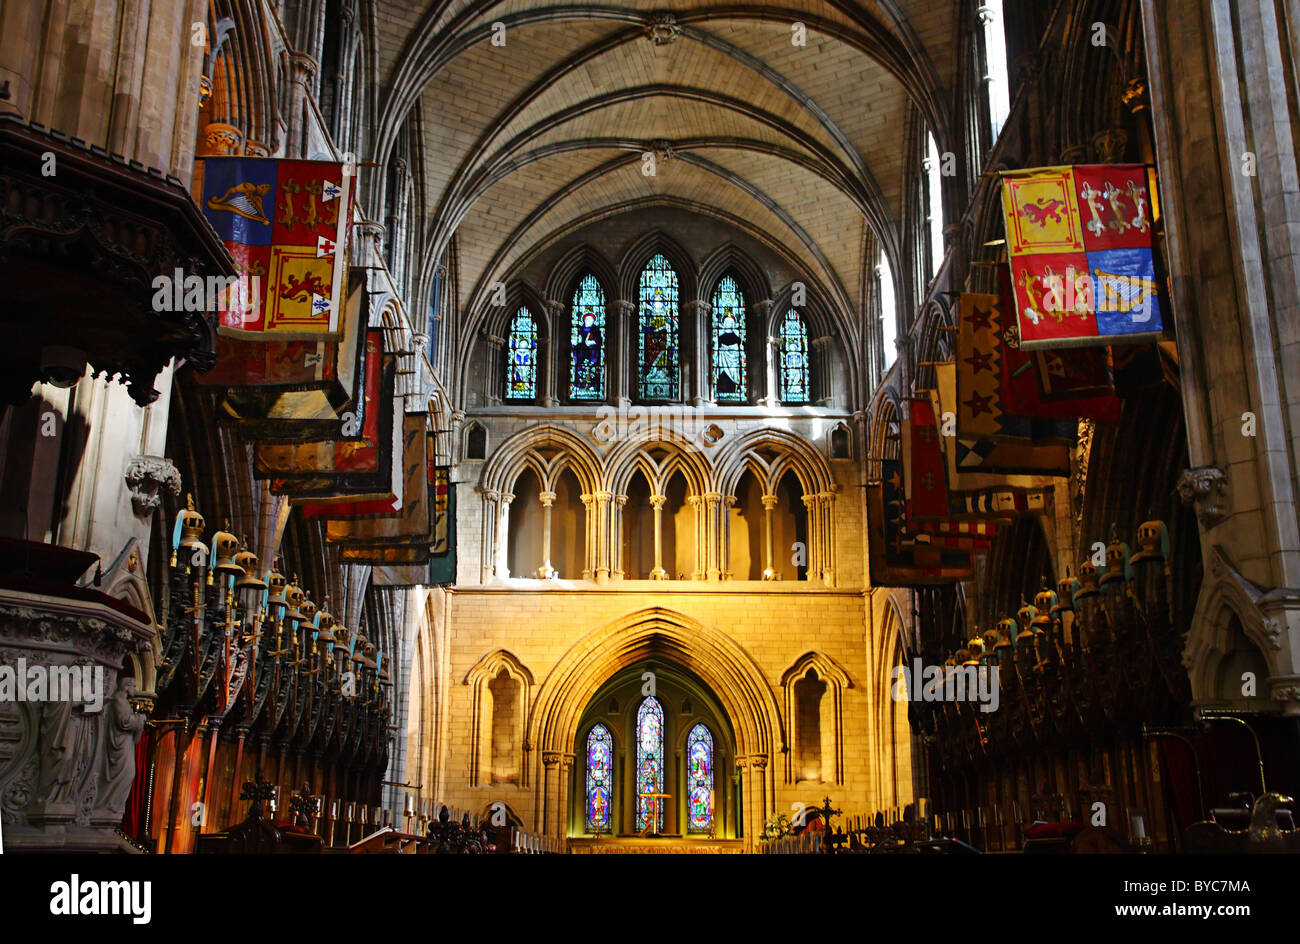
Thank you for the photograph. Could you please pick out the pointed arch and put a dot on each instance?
(528, 445)
(501, 692)
(719, 661)
(730, 258)
(639, 254)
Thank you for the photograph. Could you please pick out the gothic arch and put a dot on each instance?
(642, 251)
(721, 663)
(523, 449)
(479, 678)
(726, 258)
(633, 454)
(825, 669)
(521, 294)
(576, 263)
(793, 453)
(1225, 595)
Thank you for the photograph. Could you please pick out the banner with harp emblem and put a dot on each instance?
(1080, 251)
(286, 224)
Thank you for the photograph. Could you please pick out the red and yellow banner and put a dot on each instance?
(285, 223)
(1082, 264)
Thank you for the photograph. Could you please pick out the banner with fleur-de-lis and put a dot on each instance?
(1080, 250)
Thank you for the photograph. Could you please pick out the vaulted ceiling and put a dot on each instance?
(799, 144)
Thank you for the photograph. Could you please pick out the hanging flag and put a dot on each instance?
(1053, 383)
(990, 439)
(286, 222)
(898, 556)
(409, 523)
(1081, 257)
(361, 462)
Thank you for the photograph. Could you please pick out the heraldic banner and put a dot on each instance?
(285, 224)
(1079, 243)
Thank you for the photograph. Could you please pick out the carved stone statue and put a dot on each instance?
(123, 726)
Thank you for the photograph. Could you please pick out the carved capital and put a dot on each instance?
(146, 477)
(1205, 486)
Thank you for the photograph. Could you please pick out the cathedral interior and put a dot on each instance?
(629, 426)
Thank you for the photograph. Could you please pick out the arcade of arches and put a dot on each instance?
(581, 465)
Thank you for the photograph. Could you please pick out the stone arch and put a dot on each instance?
(892, 728)
(814, 664)
(1225, 595)
(524, 447)
(728, 258)
(793, 452)
(480, 678)
(633, 454)
(520, 294)
(728, 669)
(642, 250)
(572, 266)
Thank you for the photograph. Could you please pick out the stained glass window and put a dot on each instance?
(699, 780)
(521, 357)
(796, 378)
(587, 342)
(729, 375)
(649, 763)
(600, 778)
(657, 338)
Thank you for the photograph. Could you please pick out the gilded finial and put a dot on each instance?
(189, 501)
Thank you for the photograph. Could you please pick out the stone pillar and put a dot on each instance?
(302, 78)
(493, 389)
(553, 378)
(616, 537)
(551, 774)
(772, 371)
(487, 546)
(696, 380)
(620, 336)
(565, 775)
(701, 537)
(502, 568)
(657, 502)
(724, 535)
(758, 350)
(546, 571)
(819, 350)
(589, 526)
(603, 502)
(769, 562)
(1230, 199)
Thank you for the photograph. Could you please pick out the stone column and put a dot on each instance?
(503, 536)
(565, 774)
(772, 371)
(616, 537)
(546, 571)
(551, 774)
(701, 555)
(487, 546)
(493, 389)
(769, 563)
(620, 335)
(696, 381)
(589, 529)
(553, 378)
(714, 510)
(758, 350)
(657, 502)
(302, 78)
(724, 535)
(603, 503)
